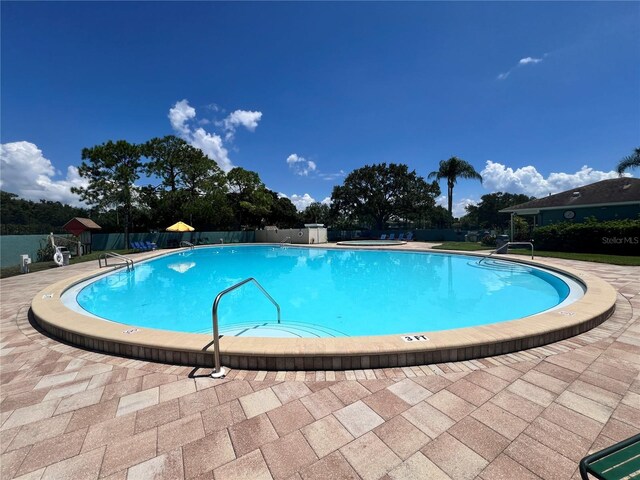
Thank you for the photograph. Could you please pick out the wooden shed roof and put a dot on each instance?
(81, 224)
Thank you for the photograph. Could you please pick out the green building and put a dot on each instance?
(614, 199)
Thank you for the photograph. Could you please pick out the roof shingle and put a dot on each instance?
(612, 191)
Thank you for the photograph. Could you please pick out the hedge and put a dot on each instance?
(615, 237)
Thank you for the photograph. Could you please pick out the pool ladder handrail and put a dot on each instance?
(184, 243)
(286, 240)
(105, 256)
(218, 371)
(507, 245)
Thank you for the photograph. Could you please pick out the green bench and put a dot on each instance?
(615, 462)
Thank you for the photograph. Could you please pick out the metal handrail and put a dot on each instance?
(521, 243)
(219, 372)
(484, 258)
(286, 240)
(508, 244)
(184, 243)
(104, 256)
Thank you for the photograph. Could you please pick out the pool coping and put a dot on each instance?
(467, 343)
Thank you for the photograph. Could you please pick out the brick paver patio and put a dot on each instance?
(70, 413)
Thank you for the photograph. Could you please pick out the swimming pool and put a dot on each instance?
(322, 292)
(372, 243)
(52, 311)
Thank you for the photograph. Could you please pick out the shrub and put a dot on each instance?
(45, 252)
(489, 241)
(615, 237)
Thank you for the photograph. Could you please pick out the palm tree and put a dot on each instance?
(632, 161)
(452, 169)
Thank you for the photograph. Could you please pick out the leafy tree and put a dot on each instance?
(111, 170)
(521, 229)
(283, 213)
(631, 161)
(20, 217)
(166, 156)
(317, 213)
(486, 213)
(192, 186)
(373, 194)
(250, 199)
(438, 217)
(453, 169)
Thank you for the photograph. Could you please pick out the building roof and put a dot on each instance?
(614, 191)
(77, 225)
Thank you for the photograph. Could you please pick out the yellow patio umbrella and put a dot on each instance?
(180, 227)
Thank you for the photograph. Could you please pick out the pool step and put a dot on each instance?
(500, 265)
(286, 329)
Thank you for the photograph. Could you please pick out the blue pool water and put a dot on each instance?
(321, 292)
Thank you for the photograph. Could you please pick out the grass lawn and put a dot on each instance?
(626, 260)
(465, 246)
(585, 257)
(37, 267)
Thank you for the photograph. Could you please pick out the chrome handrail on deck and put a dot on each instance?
(219, 372)
(521, 243)
(286, 240)
(105, 256)
(184, 243)
(508, 244)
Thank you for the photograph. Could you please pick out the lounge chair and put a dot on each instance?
(392, 236)
(150, 245)
(614, 462)
(401, 236)
(140, 246)
(383, 236)
(409, 236)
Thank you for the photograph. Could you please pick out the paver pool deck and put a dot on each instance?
(71, 413)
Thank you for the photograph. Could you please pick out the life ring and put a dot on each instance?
(57, 258)
(300, 234)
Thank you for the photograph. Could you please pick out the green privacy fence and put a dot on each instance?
(115, 241)
(12, 246)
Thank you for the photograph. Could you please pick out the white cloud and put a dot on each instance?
(458, 207)
(332, 176)
(527, 180)
(300, 165)
(211, 145)
(326, 201)
(182, 115)
(27, 173)
(521, 63)
(246, 118)
(526, 60)
(179, 115)
(300, 201)
(308, 168)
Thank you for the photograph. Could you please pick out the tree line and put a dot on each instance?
(182, 183)
(191, 186)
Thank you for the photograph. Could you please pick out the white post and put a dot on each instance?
(512, 238)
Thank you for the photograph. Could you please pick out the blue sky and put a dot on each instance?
(538, 96)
